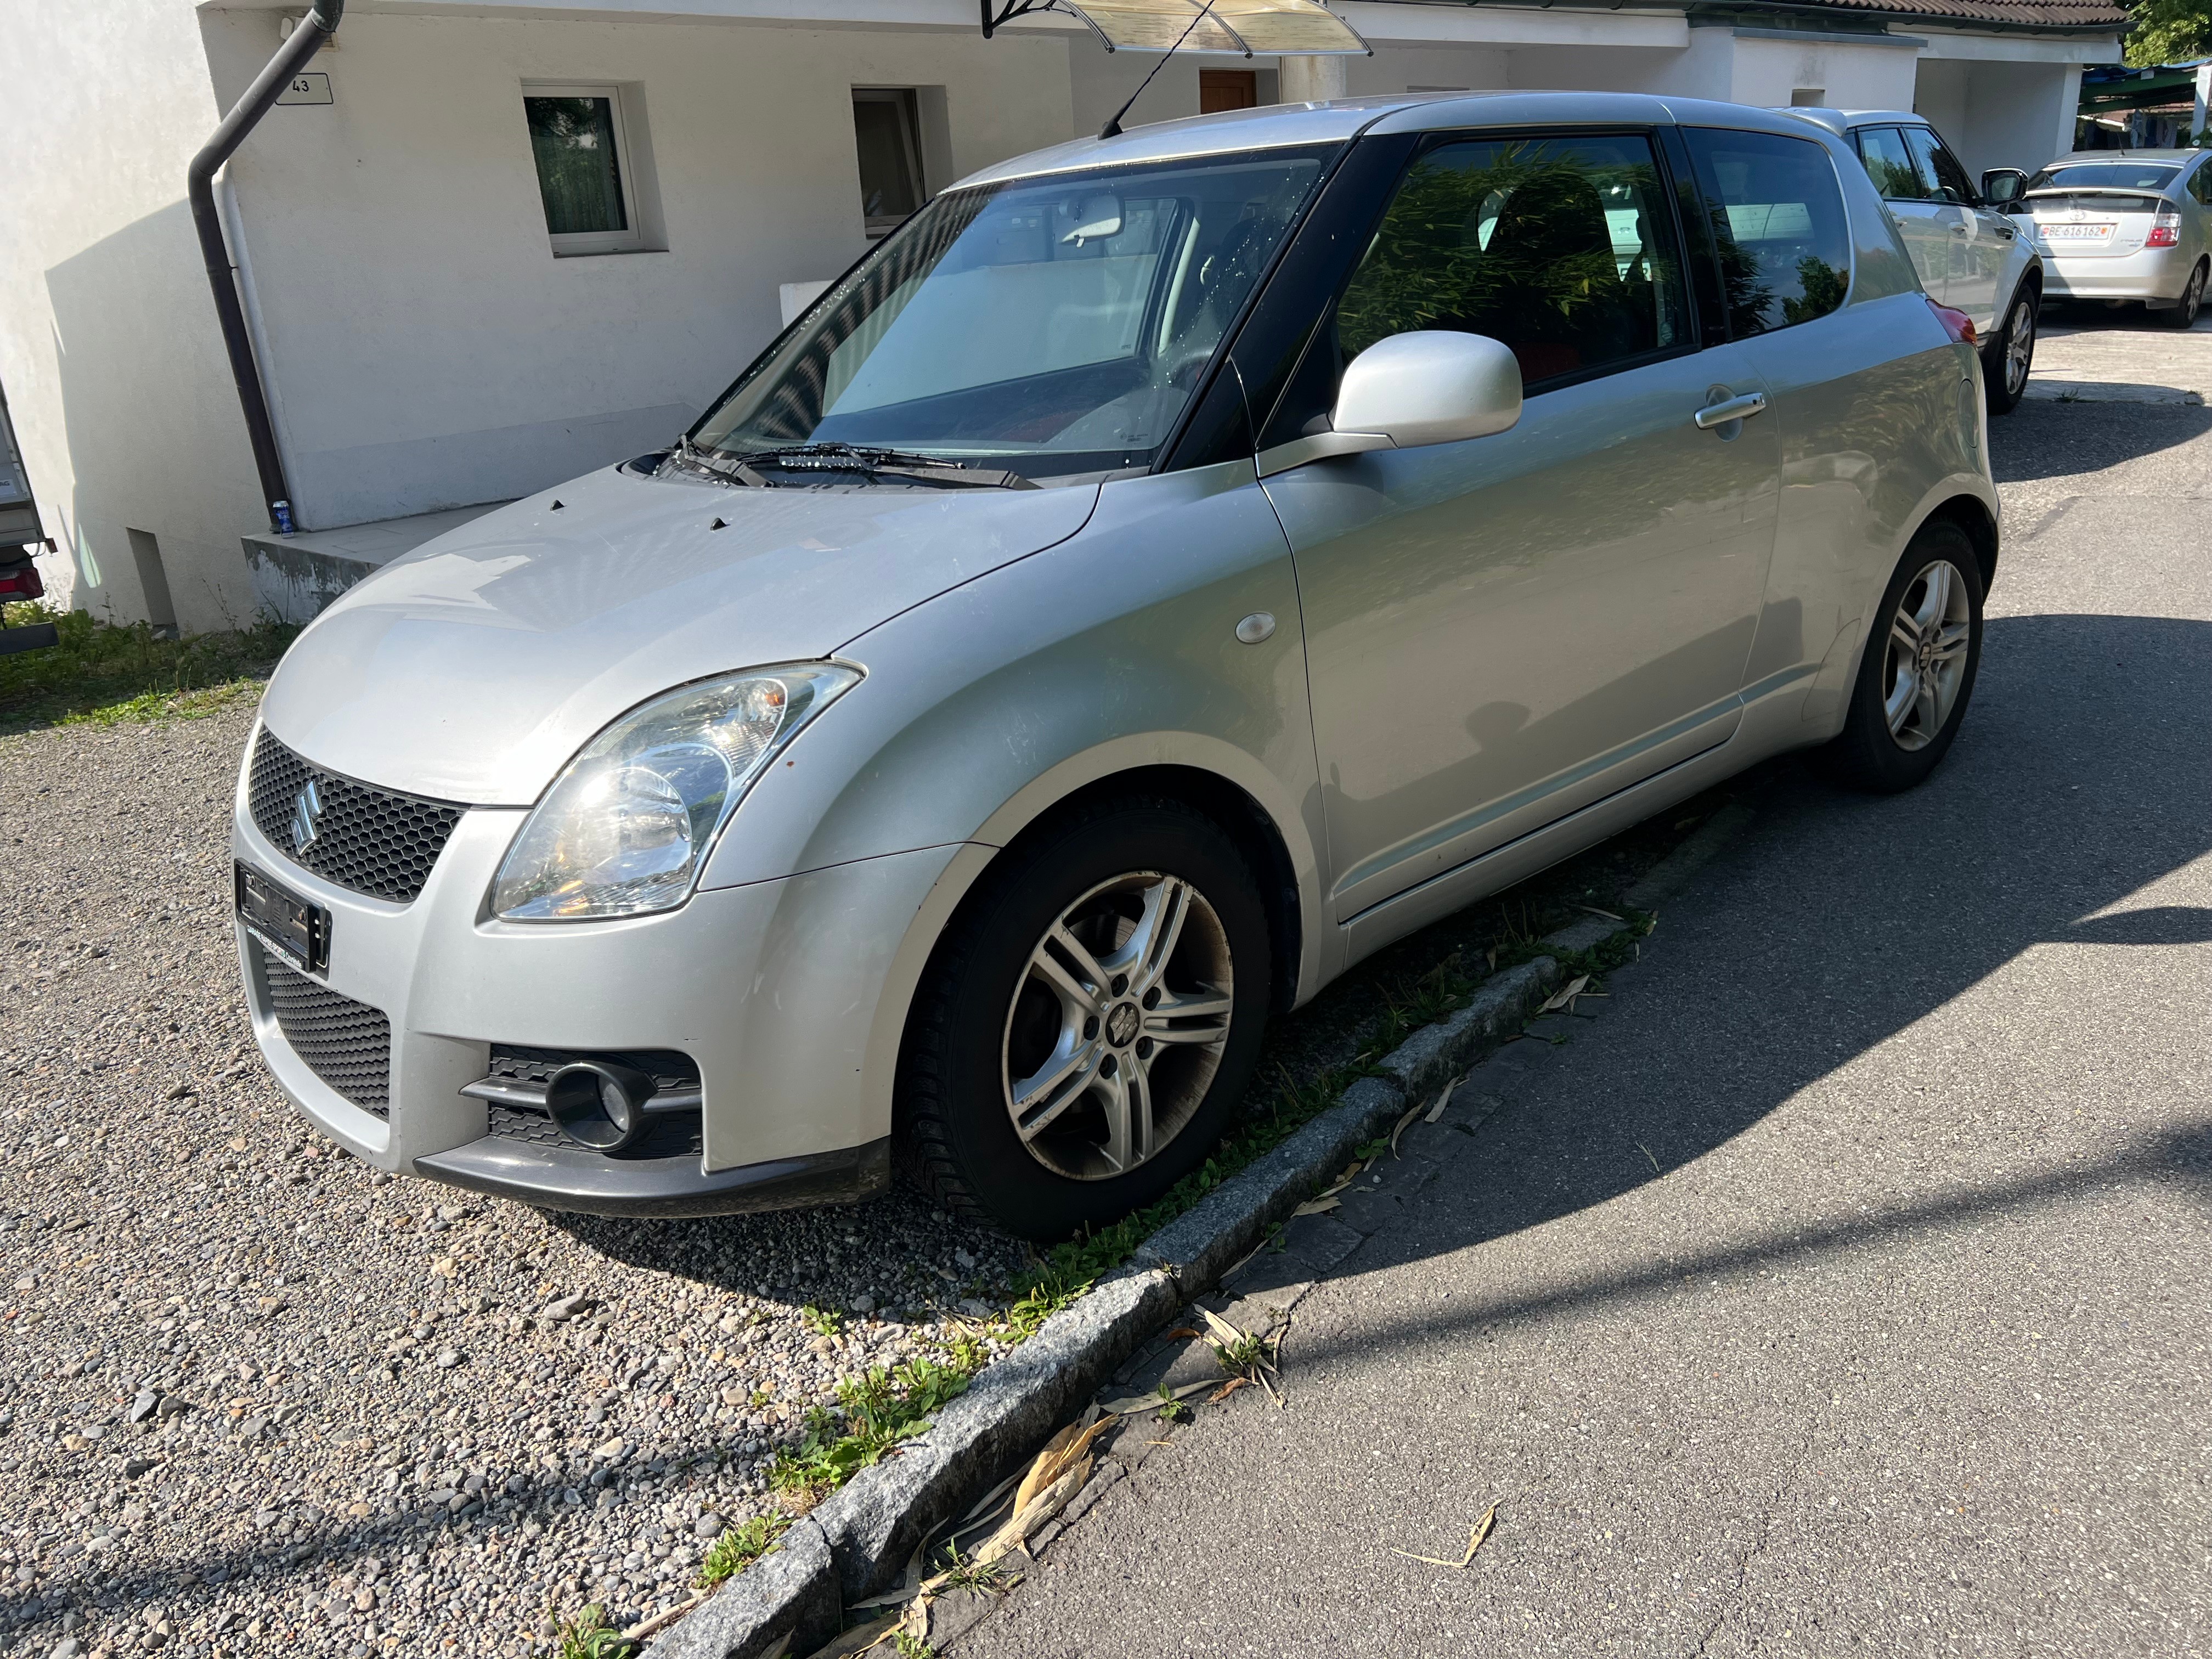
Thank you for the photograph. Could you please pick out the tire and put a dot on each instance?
(1009, 997)
(1882, 754)
(2010, 357)
(2184, 315)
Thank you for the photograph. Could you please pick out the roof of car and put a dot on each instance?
(1841, 121)
(1283, 126)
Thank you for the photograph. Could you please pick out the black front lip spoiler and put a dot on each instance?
(592, 1183)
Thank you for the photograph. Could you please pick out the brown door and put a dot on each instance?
(1221, 89)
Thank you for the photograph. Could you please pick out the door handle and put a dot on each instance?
(1962, 227)
(1729, 409)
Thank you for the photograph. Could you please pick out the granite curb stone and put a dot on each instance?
(860, 1540)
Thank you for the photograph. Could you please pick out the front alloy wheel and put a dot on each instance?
(1118, 1025)
(1088, 1020)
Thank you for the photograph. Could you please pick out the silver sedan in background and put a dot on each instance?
(1165, 571)
(2126, 224)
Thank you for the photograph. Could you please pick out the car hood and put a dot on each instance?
(474, 667)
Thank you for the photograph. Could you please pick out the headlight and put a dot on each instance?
(627, 827)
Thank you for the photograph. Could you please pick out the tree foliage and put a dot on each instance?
(2169, 32)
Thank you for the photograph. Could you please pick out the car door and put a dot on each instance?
(1981, 242)
(1502, 630)
(1927, 227)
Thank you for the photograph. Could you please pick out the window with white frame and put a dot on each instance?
(887, 128)
(585, 139)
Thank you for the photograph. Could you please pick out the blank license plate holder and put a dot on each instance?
(281, 919)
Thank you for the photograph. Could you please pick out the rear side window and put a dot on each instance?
(1942, 169)
(1889, 164)
(1563, 249)
(1778, 226)
(2200, 185)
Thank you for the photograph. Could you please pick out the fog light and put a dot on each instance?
(599, 1104)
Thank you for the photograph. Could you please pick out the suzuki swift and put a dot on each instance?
(1165, 571)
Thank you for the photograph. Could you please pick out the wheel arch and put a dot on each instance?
(1248, 803)
(1973, 516)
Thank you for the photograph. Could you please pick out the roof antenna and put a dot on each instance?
(1112, 127)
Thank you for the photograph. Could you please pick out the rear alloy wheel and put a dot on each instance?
(1088, 1021)
(2005, 366)
(1916, 674)
(2184, 315)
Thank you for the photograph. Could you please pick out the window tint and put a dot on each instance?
(1889, 164)
(1947, 179)
(1778, 226)
(2104, 175)
(884, 131)
(1561, 248)
(2200, 185)
(579, 176)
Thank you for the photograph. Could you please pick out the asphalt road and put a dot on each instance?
(1840, 1287)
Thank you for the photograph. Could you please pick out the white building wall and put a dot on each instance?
(423, 347)
(109, 349)
(427, 349)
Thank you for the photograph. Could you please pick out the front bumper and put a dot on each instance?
(770, 989)
(2155, 273)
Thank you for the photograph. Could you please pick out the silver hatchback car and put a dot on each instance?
(2127, 224)
(1163, 572)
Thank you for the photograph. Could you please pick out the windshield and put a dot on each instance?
(1051, 327)
(2104, 175)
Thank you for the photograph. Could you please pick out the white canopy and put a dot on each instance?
(1275, 28)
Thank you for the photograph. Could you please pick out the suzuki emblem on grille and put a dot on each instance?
(307, 817)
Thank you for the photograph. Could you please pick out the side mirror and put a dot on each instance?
(1430, 386)
(2002, 187)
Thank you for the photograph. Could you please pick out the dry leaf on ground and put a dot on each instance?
(1566, 995)
(1443, 1100)
(1412, 1113)
(1479, 1531)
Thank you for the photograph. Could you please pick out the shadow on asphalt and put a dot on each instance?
(2050, 439)
(2059, 802)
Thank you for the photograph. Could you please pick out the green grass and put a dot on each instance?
(740, 1547)
(588, 1636)
(102, 673)
(874, 1413)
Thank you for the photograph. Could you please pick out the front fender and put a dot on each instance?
(988, 705)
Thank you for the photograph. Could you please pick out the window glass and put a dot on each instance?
(2104, 175)
(1947, 179)
(578, 172)
(1889, 164)
(1778, 226)
(2200, 185)
(1561, 248)
(890, 171)
(1053, 326)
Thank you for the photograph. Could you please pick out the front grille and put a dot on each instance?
(346, 1043)
(373, 841)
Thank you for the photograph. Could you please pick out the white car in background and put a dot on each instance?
(1971, 254)
(2119, 225)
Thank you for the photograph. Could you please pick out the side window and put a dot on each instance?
(1561, 248)
(1889, 164)
(1779, 229)
(2200, 184)
(1940, 168)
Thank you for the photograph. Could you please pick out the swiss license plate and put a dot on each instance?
(298, 929)
(2076, 232)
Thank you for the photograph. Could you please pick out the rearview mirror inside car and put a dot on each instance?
(2002, 187)
(1096, 217)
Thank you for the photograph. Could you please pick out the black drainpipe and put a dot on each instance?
(300, 44)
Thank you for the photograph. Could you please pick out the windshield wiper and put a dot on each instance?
(890, 462)
(715, 465)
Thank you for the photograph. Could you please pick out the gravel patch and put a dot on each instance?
(255, 1398)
